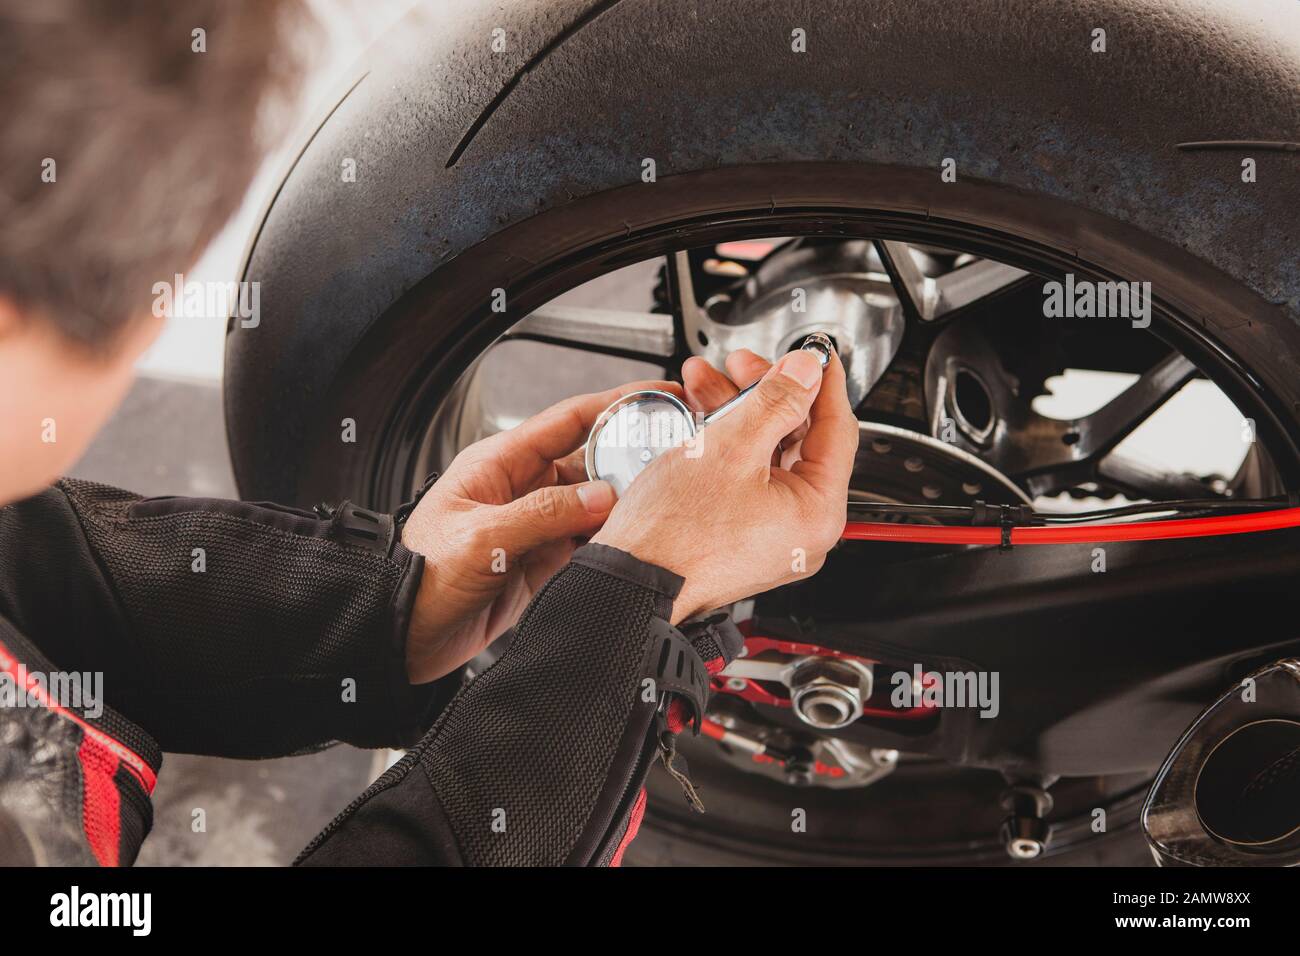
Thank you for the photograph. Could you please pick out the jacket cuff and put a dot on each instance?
(601, 557)
(414, 707)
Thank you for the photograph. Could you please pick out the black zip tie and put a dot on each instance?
(1004, 517)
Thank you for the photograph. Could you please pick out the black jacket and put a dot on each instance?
(248, 630)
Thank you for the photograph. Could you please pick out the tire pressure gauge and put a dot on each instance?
(640, 426)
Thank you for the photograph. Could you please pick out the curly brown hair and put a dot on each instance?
(125, 148)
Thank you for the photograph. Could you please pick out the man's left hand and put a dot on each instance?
(497, 524)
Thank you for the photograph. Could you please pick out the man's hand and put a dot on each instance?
(720, 513)
(498, 524)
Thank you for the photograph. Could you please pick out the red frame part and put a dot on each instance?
(756, 693)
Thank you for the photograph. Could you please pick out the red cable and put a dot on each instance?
(1077, 534)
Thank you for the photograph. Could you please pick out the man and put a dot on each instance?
(123, 153)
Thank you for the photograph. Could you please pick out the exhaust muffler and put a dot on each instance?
(1228, 794)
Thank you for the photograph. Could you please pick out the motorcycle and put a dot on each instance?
(983, 205)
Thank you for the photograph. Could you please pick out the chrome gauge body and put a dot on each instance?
(634, 431)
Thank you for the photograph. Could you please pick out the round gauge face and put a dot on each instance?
(633, 432)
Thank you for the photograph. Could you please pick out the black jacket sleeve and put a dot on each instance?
(222, 627)
(540, 761)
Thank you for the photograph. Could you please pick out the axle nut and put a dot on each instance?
(829, 692)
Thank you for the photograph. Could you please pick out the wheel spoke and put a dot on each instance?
(1105, 428)
(916, 292)
(927, 298)
(1138, 480)
(695, 325)
(966, 287)
(647, 336)
(701, 335)
(1051, 454)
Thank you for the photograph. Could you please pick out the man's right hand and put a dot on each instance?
(720, 514)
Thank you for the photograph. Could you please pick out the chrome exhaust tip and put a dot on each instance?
(1228, 794)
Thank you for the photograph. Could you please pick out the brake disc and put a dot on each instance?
(898, 466)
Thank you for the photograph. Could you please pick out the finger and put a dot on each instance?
(554, 433)
(746, 368)
(572, 469)
(569, 470)
(553, 513)
(706, 387)
(789, 453)
(776, 407)
(827, 451)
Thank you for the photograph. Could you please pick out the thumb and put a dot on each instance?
(551, 514)
(778, 405)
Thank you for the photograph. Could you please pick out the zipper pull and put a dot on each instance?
(668, 755)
